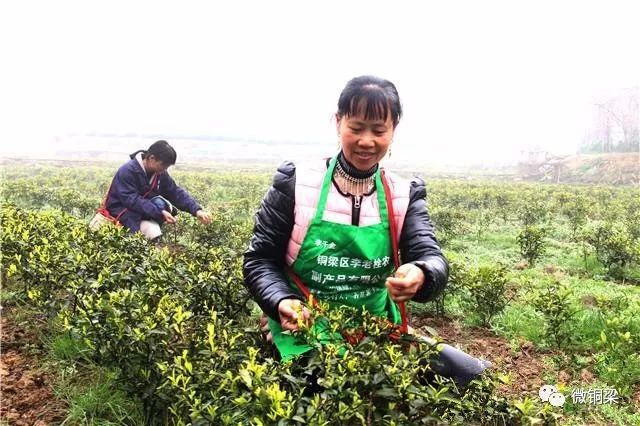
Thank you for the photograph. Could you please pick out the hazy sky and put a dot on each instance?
(481, 79)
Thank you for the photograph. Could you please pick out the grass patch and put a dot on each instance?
(453, 307)
(620, 413)
(91, 392)
(519, 321)
(94, 399)
(600, 288)
(492, 247)
(65, 347)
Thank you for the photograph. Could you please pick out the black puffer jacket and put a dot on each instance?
(264, 260)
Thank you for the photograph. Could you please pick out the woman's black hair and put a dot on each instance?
(163, 152)
(373, 97)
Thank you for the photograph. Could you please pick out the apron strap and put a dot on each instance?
(404, 328)
(301, 286)
(154, 181)
(103, 204)
(324, 191)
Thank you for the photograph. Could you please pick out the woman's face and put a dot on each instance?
(153, 165)
(364, 142)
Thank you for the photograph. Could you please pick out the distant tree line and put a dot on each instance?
(616, 124)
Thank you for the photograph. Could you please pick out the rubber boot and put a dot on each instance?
(456, 364)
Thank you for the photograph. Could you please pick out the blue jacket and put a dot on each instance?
(129, 185)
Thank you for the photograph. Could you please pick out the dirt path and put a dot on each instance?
(26, 396)
(526, 364)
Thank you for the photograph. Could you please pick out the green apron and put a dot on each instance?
(342, 265)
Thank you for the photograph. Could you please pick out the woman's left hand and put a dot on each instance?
(405, 283)
(203, 217)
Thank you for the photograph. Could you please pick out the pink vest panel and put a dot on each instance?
(338, 209)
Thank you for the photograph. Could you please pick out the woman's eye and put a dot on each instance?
(355, 129)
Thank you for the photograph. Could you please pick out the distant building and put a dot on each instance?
(542, 165)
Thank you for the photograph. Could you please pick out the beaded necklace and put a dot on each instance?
(352, 181)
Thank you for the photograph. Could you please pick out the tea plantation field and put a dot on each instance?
(545, 283)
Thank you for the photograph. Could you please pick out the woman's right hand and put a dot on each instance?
(168, 217)
(291, 311)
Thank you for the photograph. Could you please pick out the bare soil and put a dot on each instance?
(26, 395)
(525, 364)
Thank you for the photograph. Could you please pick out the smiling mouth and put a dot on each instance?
(364, 155)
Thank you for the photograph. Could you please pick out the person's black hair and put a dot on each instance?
(163, 152)
(373, 97)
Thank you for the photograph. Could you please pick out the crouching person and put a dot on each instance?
(143, 196)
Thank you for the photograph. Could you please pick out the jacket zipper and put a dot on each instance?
(355, 209)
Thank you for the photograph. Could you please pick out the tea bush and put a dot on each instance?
(487, 288)
(614, 246)
(532, 243)
(178, 328)
(618, 361)
(554, 302)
